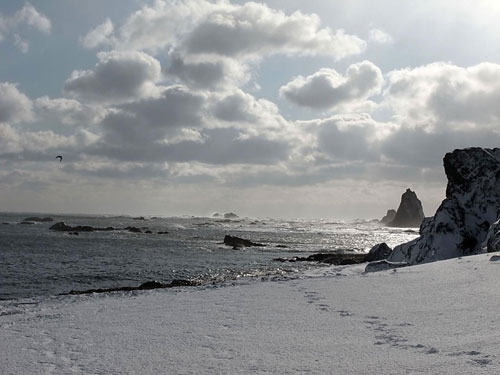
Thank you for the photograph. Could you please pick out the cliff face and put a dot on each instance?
(465, 218)
(410, 212)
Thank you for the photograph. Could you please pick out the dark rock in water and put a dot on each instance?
(389, 217)
(328, 258)
(410, 212)
(282, 246)
(145, 286)
(134, 229)
(5, 223)
(383, 265)
(38, 219)
(466, 221)
(27, 222)
(230, 215)
(61, 227)
(151, 285)
(237, 242)
(142, 218)
(378, 252)
(162, 232)
(148, 232)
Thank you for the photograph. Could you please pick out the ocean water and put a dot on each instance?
(36, 262)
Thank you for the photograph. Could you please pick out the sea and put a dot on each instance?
(37, 262)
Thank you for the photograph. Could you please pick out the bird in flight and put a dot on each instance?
(59, 157)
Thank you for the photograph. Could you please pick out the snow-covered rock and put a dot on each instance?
(410, 212)
(465, 222)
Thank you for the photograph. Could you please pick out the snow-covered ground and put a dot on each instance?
(438, 318)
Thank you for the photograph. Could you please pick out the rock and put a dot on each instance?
(389, 217)
(230, 215)
(61, 227)
(139, 218)
(282, 246)
(495, 258)
(465, 217)
(410, 212)
(378, 252)
(145, 286)
(148, 232)
(134, 229)
(338, 259)
(237, 242)
(491, 243)
(162, 232)
(38, 219)
(27, 222)
(5, 223)
(383, 265)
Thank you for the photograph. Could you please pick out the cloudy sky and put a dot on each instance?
(326, 109)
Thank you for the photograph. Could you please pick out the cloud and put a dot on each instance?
(380, 37)
(69, 111)
(329, 89)
(100, 35)
(26, 16)
(211, 74)
(254, 30)
(14, 105)
(119, 76)
(251, 30)
(442, 95)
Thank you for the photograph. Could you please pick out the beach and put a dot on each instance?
(426, 319)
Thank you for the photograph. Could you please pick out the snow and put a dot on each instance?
(432, 318)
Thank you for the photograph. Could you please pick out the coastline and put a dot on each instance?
(425, 319)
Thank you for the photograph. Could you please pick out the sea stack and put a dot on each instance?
(466, 221)
(410, 212)
(389, 217)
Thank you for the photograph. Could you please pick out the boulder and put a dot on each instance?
(410, 212)
(378, 252)
(389, 217)
(466, 221)
(383, 265)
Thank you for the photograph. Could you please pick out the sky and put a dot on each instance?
(318, 109)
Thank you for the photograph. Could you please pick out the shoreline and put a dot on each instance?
(344, 321)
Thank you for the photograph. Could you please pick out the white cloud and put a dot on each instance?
(379, 36)
(329, 89)
(252, 30)
(442, 95)
(100, 35)
(27, 16)
(69, 111)
(255, 30)
(14, 105)
(118, 76)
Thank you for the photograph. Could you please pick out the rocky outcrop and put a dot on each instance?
(149, 285)
(389, 217)
(410, 212)
(39, 219)
(466, 221)
(62, 227)
(237, 242)
(378, 252)
(340, 259)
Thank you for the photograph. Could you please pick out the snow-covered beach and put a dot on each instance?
(434, 318)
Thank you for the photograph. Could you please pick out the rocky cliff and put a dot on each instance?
(410, 212)
(464, 224)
